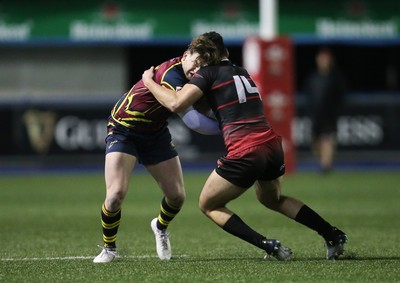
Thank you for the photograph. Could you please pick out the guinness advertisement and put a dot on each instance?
(65, 131)
(39, 131)
(78, 130)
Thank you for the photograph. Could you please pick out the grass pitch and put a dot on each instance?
(50, 226)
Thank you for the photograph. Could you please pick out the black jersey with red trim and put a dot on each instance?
(139, 110)
(237, 104)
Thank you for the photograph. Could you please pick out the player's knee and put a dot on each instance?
(177, 200)
(203, 206)
(113, 204)
(271, 204)
(114, 201)
(271, 201)
(206, 206)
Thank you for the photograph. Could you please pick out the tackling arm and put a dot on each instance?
(168, 98)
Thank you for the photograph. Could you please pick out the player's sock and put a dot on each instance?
(110, 222)
(238, 228)
(167, 213)
(313, 220)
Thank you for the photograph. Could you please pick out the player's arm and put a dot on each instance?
(174, 101)
(199, 122)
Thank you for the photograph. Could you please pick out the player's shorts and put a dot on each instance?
(262, 162)
(147, 148)
(325, 126)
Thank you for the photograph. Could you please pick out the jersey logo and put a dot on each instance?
(112, 143)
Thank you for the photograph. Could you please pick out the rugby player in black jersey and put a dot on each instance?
(254, 154)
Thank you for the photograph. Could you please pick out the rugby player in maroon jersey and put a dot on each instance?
(137, 132)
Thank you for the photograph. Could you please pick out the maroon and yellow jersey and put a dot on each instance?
(236, 102)
(139, 110)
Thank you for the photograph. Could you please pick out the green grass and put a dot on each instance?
(48, 221)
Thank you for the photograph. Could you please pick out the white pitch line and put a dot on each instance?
(79, 257)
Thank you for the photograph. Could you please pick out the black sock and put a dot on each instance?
(238, 228)
(313, 220)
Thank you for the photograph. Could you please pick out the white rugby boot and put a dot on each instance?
(106, 255)
(163, 245)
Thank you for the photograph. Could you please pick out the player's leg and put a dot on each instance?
(327, 150)
(316, 137)
(168, 175)
(118, 169)
(269, 194)
(216, 193)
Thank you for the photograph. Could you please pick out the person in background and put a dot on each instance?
(325, 88)
(137, 132)
(254, 154)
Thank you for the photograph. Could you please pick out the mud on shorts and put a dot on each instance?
(262, 162)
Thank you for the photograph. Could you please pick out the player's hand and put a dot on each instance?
(147, 75)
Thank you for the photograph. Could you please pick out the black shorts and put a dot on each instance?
(324, 127)
(147, 148)
(262, 162)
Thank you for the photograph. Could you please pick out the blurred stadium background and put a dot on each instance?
(63, 66)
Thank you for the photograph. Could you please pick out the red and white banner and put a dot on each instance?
(270, 63)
